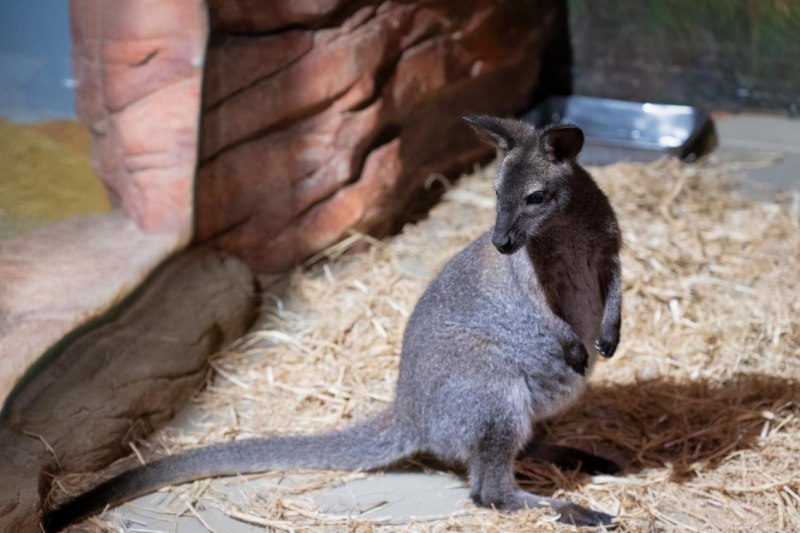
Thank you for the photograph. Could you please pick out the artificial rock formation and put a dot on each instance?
(138, 66)
(324, 115)
(122, 379)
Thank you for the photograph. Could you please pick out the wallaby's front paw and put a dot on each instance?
(607, 343)
(577, 357)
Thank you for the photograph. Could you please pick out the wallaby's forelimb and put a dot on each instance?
(611, 284)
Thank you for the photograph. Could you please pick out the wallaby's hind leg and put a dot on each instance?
(569, 458)
(492, 484)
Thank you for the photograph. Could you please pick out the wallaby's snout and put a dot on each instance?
(505, 237)
(503, 241)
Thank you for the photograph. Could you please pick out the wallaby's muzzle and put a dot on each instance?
(503, 241)
(504, 236)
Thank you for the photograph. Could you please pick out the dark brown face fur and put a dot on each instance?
(533, 182)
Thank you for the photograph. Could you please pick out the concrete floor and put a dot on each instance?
(750, 139)
(394, 497)
(745, 139)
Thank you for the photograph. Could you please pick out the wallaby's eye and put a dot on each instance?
(496, 193)
(536, 198)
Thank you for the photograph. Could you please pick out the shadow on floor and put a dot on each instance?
(664, 424)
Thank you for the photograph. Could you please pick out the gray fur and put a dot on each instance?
(497, 342)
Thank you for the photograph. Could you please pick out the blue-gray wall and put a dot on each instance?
(35, 64)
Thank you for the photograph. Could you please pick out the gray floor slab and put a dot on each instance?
(753, 140)
(390, 498)
(394, 497)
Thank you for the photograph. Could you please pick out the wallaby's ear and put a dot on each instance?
(500, 132)
(562, 142)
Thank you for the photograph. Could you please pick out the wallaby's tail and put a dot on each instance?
(372, 444)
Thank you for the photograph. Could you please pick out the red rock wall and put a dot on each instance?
(325, 115)
(138, 66)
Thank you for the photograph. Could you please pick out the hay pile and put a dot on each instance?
(701, 401)
(46, 176)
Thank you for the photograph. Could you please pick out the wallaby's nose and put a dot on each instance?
(503, 242)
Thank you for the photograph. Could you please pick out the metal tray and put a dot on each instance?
(617, 130)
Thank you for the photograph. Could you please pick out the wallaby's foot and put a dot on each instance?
(568, 458)
(569, 513)
(492, 484)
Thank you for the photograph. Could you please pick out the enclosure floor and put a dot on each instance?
(701, 403)
(393, 497)
(774, 141)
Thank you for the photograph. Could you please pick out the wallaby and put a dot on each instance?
(497, 342)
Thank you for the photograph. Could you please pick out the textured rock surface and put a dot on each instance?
(56, 278)
(336, 117)
(138, 65)
(124, 378)
(22, 460)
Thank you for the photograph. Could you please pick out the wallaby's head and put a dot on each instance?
(534, 180)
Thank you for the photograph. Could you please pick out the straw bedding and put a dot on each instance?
(701, 402)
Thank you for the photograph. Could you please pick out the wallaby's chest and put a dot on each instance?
(580, 302)
(570, 281)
